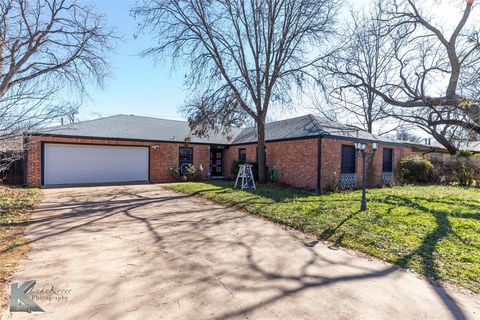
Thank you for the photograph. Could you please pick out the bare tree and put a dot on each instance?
(405, 133)
(244, 56)
(71, 112)
(365, 51)
(438, 69)
(46, 47)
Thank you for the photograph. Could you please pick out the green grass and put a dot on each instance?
(433, 230)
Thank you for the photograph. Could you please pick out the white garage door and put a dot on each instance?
(77, 164)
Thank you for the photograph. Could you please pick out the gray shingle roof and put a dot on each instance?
(145, 128)
(135, 127)
(307, 126)
(473, 146)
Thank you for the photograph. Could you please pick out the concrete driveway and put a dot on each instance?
(141, 252)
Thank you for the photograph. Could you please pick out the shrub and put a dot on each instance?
(464, 173)
(190, 173)
(416, 169)
(175, 172)
(200, 174)
(443, 171)
(463, 153)
(464, 168)
(194, 174)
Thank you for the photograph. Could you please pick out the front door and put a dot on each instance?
(216, 162)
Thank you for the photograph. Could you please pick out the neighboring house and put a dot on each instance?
(309, 152)
(435, 151)
(11, 159)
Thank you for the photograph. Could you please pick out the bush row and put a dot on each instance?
(462, 169)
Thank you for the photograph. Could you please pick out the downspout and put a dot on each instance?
(319, 165)
(25, 159)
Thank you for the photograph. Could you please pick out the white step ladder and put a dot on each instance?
(246, 175)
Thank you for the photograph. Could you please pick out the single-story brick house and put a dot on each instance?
(309, 152)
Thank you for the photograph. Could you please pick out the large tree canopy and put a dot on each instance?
(47, 46)
(368, 53)
(436, 65)
(242, 55)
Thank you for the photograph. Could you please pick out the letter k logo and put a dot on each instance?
(19, 302)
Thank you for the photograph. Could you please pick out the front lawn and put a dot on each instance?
(433, 230)
(14, 206)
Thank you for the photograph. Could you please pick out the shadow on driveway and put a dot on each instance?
(143, 252)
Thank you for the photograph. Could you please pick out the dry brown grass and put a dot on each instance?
(15, 206)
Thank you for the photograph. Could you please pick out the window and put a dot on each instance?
(348, 159)
(387, 160)
(242, 155)
(185, 158)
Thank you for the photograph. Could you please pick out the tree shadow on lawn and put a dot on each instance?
(443, 228)
(413, 201)
(329, 232)
(426, 250)
(273, 192)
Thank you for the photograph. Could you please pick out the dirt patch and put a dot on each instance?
(15, 206)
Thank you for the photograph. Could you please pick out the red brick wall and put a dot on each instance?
(162, 156)
(331, 163)
(231, 154)
(296, 160)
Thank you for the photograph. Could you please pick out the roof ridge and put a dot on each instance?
(101, 118)
(314, 119)
(340, 123)
(149, 117)
(298, 117)
(64, 126)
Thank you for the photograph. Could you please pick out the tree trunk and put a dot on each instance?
(370, 126)
(261, 158)
(447, 144)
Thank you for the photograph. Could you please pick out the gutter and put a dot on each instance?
(25, 160)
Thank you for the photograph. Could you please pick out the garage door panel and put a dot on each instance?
(83, 164)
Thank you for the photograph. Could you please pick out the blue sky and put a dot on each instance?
(136, 85)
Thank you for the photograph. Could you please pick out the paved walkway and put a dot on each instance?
(140, 252)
